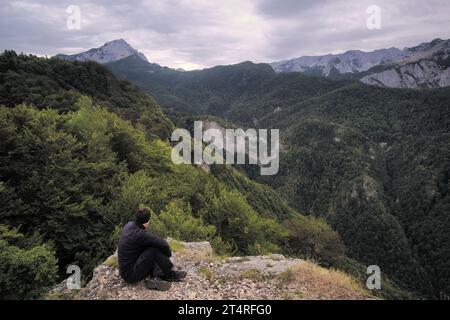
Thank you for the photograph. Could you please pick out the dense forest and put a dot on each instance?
(373, 162)
(376, 162)
(80, 151)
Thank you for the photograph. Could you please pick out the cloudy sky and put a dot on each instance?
(202, 33)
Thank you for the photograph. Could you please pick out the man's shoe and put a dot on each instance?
(157, 284)
(175, 276)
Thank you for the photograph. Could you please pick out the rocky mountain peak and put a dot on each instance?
(111, 51)
(423, 66)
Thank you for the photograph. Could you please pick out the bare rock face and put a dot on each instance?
(421, 74)
(210, 277)
(424, 66)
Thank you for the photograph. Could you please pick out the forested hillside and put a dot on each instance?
(80, 151)
(373, 162)
(58, 84)
(376, 164)
(241, 93)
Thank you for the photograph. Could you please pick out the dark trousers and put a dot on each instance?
(147, 263)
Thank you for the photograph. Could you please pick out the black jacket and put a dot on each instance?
(134, 239)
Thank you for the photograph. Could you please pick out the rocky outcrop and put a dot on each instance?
(421, 74)
(211, 277)
(352, 61)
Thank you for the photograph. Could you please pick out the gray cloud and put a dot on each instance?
(287, 8)
(203, 33)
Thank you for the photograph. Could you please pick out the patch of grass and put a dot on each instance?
(253, 274)
(275, 257)
(175, 245)
(285, 277)
(54, 296)
(206, 272)
(216, 258)
(300, 294)
(112, 262)
(73, 295)
(316, 282)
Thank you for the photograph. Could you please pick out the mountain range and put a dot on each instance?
(353, 154)
(424, 66)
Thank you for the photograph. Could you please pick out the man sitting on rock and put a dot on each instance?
(143, 255)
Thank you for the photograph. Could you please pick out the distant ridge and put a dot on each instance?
(423, 66)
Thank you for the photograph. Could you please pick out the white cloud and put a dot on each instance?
(203, 33)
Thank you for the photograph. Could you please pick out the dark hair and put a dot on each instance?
(142, 216)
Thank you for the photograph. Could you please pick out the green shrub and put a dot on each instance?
(221, 247)
(313, 238)
(25, 272)
(176, 221)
